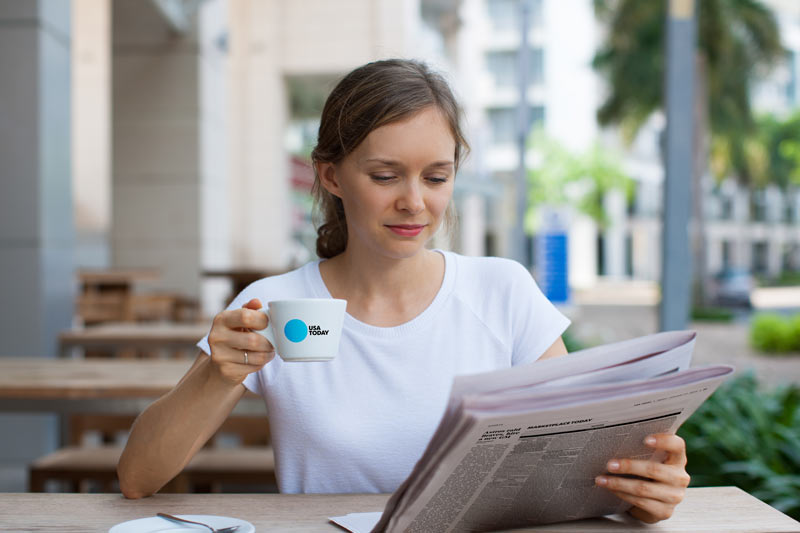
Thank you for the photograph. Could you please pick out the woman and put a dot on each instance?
(389, 145)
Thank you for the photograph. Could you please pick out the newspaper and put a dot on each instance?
(522, 446)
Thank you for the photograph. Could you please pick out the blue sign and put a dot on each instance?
(552, 266)
(552, 263)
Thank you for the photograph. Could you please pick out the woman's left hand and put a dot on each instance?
(655, 497)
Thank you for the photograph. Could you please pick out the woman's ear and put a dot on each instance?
(328, 178)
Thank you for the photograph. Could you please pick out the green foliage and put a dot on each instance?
(738, 41)
(712, 314)
(571, 341)
(749, 438)
(772, 333)
(794, 329)
(782, 141)
(787, 278)
(580, 180)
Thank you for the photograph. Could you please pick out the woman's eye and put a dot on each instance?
(382, 178)
(437, 179)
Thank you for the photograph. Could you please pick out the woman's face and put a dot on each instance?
(396, 185)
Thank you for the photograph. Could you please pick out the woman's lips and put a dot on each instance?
(407, 230)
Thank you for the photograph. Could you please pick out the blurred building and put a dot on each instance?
(562, 96)
(162, 134)
(192, 120)
(757, 230)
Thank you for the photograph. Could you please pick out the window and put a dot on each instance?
(727, 254)
(504, 14)
(758, 205)
(504, 122)
(760, 251)
(727, 208)
(503, 67)
(791, 257)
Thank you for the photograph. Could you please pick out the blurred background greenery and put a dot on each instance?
(748, 437)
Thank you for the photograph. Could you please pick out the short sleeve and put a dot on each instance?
(536, 323)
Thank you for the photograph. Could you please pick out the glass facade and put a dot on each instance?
(503, 67)
(504, 14)
(503, 121)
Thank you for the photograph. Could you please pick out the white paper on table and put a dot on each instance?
(357, 522)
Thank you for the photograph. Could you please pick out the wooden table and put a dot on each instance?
(74, 388)
(119, 386)
(719, 509)
(122, 336)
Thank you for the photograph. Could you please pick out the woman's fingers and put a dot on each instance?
(239, 339)
(244, 318)
(232, 337)
(672, 444)
(654, 488)
(254, 359)
(645, 509)
(644, 488)
(255, 303)
(248, 341)
(672, 475)
(225, 354)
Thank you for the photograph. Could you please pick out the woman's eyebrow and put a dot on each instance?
(393, 163)
(388, 162)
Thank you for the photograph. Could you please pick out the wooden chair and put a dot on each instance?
(246, 461)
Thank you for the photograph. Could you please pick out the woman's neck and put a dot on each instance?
(384, 291)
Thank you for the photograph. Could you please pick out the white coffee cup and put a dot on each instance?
(305, 329)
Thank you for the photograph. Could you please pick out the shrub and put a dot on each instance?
(749, 438)
(794, 327)
(773, 334)
(712, 314)
(571, 341)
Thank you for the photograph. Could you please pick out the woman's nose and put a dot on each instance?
(411, 199)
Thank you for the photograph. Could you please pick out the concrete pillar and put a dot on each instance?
(91, 131)
(645, 236)
(260, 202)
(169, 195)
(614, 241)
(775, 247)
(215, 181)
(472, 225)
(36, 229)
(582, 253)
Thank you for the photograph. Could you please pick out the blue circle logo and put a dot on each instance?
(295, 330)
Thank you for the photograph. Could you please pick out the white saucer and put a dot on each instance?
(154, 524)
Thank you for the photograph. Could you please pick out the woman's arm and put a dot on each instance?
(557, 349)
(170, 431)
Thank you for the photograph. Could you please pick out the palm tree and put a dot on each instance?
(738, 42)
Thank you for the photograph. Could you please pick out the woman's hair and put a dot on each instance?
(367, 98)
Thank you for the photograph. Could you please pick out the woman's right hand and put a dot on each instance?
(230, 338)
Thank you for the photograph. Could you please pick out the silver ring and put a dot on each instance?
(245, 357)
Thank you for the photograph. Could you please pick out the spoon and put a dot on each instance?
(171, 518)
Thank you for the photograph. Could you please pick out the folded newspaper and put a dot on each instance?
(522, 446)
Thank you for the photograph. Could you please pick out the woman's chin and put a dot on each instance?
(404, 249)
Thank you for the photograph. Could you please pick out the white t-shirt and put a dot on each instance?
(360, 422)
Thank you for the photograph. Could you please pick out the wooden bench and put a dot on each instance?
(84, 467)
